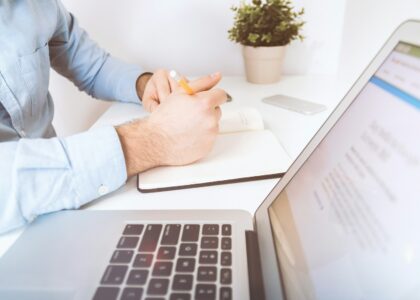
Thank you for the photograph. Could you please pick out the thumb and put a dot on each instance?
(205, 83)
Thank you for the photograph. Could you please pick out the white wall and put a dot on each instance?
(187, 35)
(320, 51)
(191, 36)
(368, 24)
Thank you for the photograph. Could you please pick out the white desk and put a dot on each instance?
(292, 129)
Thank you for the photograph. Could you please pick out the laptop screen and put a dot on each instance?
(347, 224)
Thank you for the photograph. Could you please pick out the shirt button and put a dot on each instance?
(103, 189)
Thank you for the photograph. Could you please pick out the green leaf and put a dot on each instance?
(266, 23)
(253, 37)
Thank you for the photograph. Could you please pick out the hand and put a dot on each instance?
(165, 138)
(155, 89)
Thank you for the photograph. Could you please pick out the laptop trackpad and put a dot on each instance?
(60, 256)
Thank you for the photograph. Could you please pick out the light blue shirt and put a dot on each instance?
(41, 173)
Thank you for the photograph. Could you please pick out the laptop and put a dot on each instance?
(342, 223)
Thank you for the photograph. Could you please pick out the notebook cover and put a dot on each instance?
(196, 185)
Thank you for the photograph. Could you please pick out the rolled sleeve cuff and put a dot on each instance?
(117, 81)
(98, 163)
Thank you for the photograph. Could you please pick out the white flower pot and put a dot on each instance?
(263, 64)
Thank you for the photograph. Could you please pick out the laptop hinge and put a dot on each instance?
(256, 285)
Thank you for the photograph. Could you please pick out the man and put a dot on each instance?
(40, 173)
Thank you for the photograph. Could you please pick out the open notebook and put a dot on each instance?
(243, 151)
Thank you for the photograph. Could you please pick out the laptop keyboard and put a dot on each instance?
(176, 262)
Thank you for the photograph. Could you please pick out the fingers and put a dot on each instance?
(214, 97)
(162, 83)
(205, 83)
(218, 113)
(173, 84)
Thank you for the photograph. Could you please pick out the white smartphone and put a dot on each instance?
(295, 104)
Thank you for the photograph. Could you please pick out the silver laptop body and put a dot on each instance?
(341, 224)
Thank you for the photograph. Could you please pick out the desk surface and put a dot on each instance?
(293, 130)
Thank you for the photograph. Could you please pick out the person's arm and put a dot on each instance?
(44, 175)
(38, 176)
(166, 139)
(74, 55)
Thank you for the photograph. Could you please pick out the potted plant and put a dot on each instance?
(264, 28)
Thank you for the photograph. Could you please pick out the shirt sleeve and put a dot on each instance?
(74, 55)
(44, 175)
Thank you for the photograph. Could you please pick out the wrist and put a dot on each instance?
(141, 145)
(141, 83)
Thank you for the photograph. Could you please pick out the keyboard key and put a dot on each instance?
(106, 293)
(133, 229)
(166, 253)
(205, 292)
(225, 276)
(190, 233)
(114, 274)
(226, 229)
(137, 277)
(171, 234)
(143, 260)
(210, 229)
(225, 293)
(207, 274)
(182, 282)
(122, 256)
(226, 243)
(150, 238)
(208, 257)
(158, 286)
(126, 242)
(208, 242)
(226, 258)
(187, 249)
(177, 296)
(162, 268)
(185, 265)
(132, 294)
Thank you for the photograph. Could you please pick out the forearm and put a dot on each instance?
(118, 81)
(143, 146)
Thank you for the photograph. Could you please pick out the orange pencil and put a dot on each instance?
(182, 82)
